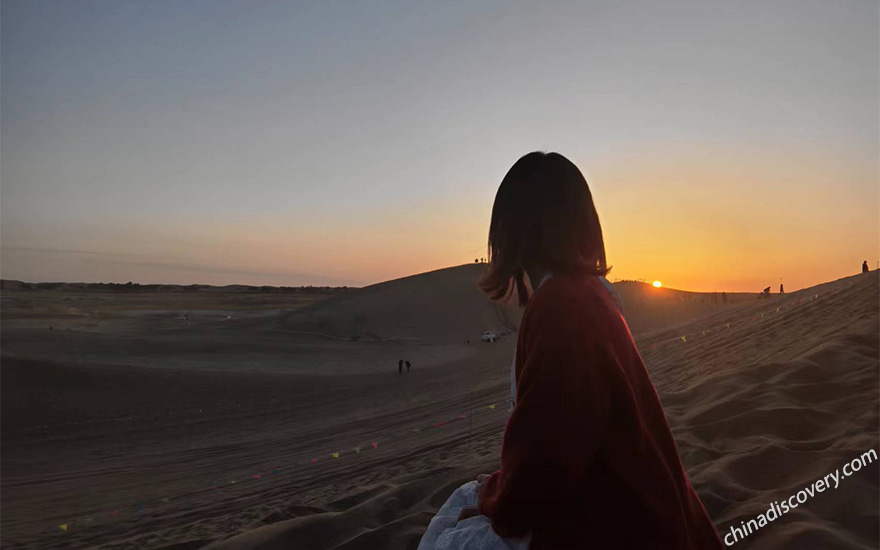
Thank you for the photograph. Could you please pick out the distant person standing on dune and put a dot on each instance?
(781, 289)
(587, 459)
(400, 367)
(408, 365)
(865, 267)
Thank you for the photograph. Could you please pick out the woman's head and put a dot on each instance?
(543, 217)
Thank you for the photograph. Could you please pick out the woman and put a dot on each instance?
(587, 459)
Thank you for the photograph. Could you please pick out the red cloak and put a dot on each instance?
(587, 459)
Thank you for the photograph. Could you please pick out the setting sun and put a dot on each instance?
(657, 284)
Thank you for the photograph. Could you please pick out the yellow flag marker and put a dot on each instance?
(357, 449)
(683, 339)
(491, 406)
(335, 455)
(777, 309)
(63, 527)
(728, 325)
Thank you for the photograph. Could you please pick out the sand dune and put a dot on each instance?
(648, 308)
(439, 306)
(760, 409)
(446, 306)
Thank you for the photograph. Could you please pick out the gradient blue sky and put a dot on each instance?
(728, 144)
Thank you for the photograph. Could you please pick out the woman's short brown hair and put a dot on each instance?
(543, 216)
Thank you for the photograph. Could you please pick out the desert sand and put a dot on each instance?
(270, 421)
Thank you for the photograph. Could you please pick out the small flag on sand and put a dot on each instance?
(728, 325)
(256, 476)
(778, 308)
(63, 527)
(683, 339)
(491, 406)
(313, 460)
(335, 455)
(375, 444)
(357, 450)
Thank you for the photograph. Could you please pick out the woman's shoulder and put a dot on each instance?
(567, 300)
(574, 316)
(572, 290)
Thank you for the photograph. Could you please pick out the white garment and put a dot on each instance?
(547, 276)
(446, 533)
(613, 292)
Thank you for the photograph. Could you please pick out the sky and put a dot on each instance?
(728, 145)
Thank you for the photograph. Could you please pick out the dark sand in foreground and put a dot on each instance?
(130, 427)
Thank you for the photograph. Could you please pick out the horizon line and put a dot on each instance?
(620, 281)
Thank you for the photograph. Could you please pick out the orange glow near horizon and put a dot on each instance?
(741, 234)
(736, 217)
